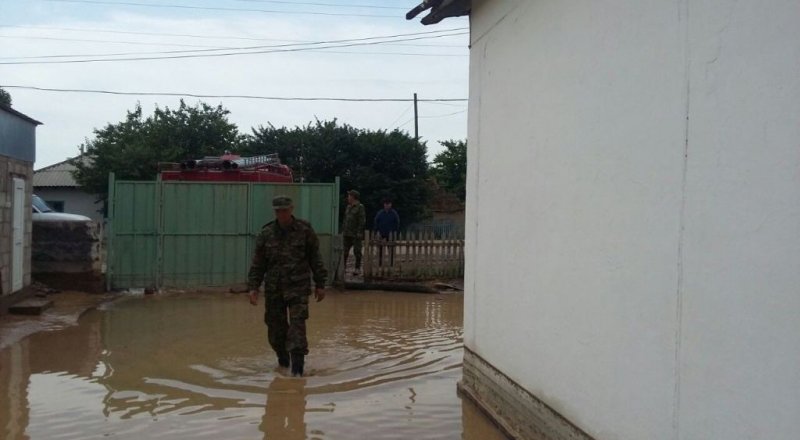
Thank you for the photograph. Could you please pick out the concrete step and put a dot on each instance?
(34, 306)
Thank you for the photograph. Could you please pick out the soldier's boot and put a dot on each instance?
(298, 362)
(283, 359)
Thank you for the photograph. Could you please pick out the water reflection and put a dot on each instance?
(198, 366)
(14, 415)
(285, 410)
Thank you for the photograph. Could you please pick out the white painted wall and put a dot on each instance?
(18, 208)
(740, 345)
(642, 285)
(75, 201)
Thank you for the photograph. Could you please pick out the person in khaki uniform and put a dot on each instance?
(355, 218)
(286, 255)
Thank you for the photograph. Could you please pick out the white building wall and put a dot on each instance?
(75, 201)
(740, 344)
(639, 291)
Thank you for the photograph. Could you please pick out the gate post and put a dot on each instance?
(110, 230)
(159, 224)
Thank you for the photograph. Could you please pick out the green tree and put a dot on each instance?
(133, 147)
(5, 98)
(450, 168)
(377, 163)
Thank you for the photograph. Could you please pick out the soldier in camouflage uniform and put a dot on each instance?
(286, 254)
(355, 217)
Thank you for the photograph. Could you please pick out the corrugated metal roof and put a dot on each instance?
(57, 175)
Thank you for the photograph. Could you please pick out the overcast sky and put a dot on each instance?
(432, 67)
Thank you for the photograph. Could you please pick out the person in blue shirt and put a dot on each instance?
(387, 222)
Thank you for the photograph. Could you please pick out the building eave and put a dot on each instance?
(20, 115)
(440, 9)
(58, 175)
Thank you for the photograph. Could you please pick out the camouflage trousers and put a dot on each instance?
(286, 317)
(355, 243)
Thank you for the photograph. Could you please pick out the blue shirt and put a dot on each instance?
(387, 222)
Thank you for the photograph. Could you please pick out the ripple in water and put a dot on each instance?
(382, 366)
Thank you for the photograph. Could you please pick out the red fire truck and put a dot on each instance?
(229, 168)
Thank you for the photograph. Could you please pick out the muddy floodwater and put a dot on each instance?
(197, 366)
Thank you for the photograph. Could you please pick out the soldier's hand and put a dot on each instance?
(319, 294)
(254, 297)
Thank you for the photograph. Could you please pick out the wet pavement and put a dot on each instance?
(382, 366)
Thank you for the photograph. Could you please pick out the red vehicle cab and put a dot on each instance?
(229, 168)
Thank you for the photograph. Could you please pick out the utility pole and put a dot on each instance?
(416, 119)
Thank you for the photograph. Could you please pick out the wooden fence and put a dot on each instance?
(412, 256)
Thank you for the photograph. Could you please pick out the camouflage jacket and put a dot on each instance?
(355, 219)
(284, 258)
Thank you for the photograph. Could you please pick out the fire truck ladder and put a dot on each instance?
(253, 162)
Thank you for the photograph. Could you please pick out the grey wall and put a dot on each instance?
(75, 201)
(17, 137)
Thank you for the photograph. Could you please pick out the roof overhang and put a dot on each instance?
(20, 115)
(440, 9)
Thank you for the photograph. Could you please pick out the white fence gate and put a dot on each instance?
(18, 234)
(413, 256)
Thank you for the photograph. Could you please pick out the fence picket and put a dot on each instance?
(412, 255)
(427, 254)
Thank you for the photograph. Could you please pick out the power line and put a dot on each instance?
(448, 105)
(338, 5)
(137, 43)
(402, 54)
(212, 37)
(212, 8)
(194, 54)
(405, 123)
(215, 49)
(443, 116)
(428, 34)
(338, 52)
(157, 34)
(197, 95)
(401, 115)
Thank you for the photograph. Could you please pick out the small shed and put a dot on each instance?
(17, 154)
(56, 185)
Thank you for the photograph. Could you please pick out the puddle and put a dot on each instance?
(382, 366)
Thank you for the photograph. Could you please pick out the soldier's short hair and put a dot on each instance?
(282, 202)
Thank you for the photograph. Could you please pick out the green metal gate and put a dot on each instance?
(201, 234)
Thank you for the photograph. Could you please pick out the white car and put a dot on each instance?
(44, 213)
